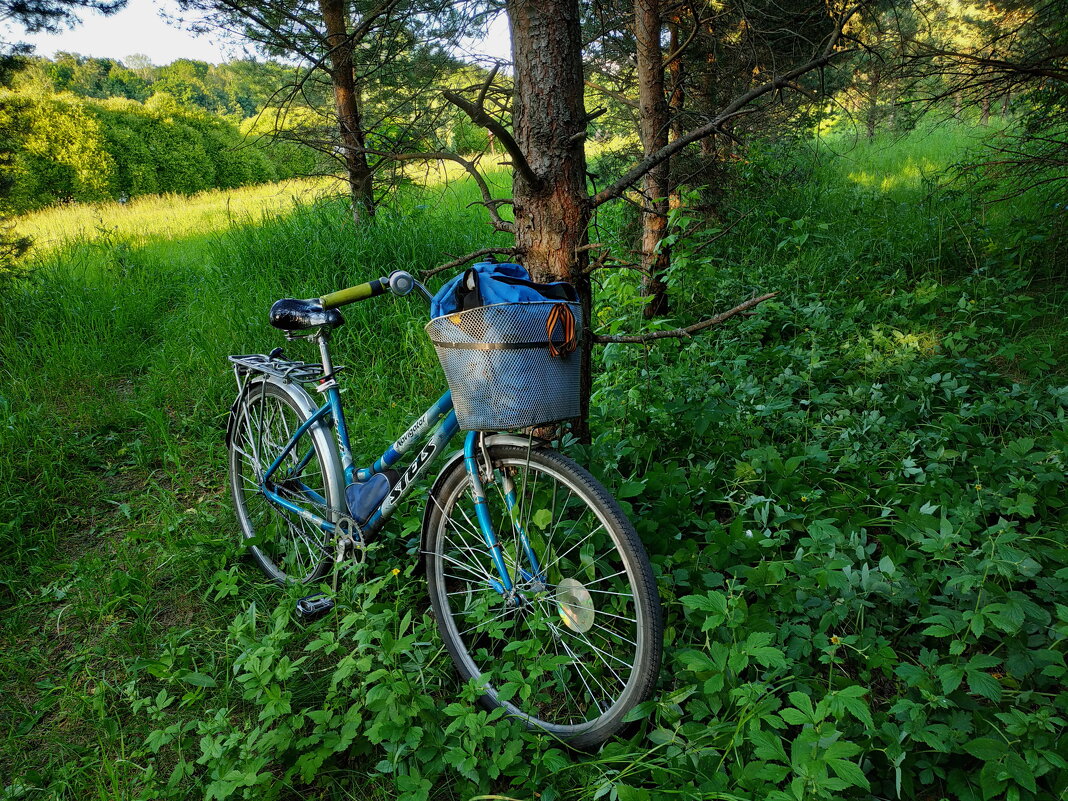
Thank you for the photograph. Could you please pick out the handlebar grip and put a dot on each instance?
(354, 293)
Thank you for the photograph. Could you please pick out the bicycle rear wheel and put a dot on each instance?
(286, 546)
(576, 644)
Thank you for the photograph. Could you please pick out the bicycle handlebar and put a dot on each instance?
(399, 283)
(354, 293)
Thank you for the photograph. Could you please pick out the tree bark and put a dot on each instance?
(552, 212)
(654, 122)
(346, 99)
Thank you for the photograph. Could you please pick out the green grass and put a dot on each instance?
(150, 218)
(883, 442)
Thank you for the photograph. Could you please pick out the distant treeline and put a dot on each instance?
(238, 88)
(68, 148)
(86, 129)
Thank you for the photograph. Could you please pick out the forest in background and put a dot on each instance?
(852, 496)
(78, 129)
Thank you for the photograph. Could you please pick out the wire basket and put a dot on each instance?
(498, 364)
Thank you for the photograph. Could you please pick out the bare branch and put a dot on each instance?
(440, 155)
(618, 96)
(464, 259)
(479, 116)
(697, 23)
(682, 333)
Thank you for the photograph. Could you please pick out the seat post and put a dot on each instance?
(322, 338)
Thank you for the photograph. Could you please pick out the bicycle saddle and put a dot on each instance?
(291, 314)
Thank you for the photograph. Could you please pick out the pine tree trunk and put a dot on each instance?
(346, 99)
(549, 122)
(653, 122)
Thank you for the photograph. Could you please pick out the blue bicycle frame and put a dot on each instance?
(441, 411)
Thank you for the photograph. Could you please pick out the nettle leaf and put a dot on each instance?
(984, 684)
(1020, 772)
(850, 772)
(951, 677)
(802, 702)
(983, 662)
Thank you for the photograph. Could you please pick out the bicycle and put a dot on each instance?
(538, 583)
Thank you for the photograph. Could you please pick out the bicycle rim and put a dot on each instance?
(285, 545)
(576, 644)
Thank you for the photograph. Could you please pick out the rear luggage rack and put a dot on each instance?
(300, 372)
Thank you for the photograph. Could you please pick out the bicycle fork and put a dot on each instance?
(473, 443)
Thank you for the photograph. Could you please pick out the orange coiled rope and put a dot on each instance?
(560, 313)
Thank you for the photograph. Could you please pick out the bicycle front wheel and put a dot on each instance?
(576, 643)
(282, 539)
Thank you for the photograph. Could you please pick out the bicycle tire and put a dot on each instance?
(287, 548)
(585, 636)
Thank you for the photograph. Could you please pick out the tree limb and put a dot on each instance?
(618, 96)
(478, 115)
(440, 155)
(682, 333)
(463, 260)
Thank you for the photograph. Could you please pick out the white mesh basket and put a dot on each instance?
(499, 367)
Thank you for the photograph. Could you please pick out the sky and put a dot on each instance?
(141, 28)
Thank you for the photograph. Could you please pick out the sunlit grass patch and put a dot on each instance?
(151, 217)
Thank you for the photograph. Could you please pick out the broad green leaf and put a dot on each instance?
(951, 677)
(769, 657)
(1020, 772)
(850, 772)
(710, 602)
(630, 489)
(984, 684)
(640, 712)
(696, 661)
(986, 748)
(802, 702)
(198, 679)
(627, 793)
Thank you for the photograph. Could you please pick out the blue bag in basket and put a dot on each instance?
(487, 283)
(507, 345)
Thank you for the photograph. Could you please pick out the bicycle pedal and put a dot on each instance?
(315, 606)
